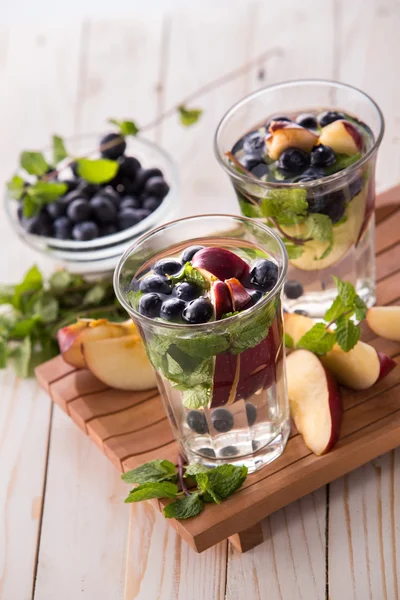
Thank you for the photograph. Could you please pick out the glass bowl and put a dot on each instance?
(102, 254)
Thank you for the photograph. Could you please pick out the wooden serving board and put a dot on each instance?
(132, 428)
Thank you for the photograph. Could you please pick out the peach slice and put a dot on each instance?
(239, 295)
(121, 363)
(221, 299)
(385, 321)
(315, 402)
(342, 136)
(70, 338)
(286, 135)
(358, 369)
(221, 263)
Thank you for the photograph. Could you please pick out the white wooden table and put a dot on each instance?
(64, 530)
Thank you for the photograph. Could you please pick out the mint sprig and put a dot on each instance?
(212, 485)
(191, 275)
(320, 339)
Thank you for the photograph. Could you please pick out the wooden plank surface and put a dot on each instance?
(358, 43)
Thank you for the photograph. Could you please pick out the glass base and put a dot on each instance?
(254, 461)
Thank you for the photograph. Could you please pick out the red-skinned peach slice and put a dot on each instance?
(221, 263)
(286, 135)
(385, 321)
(239, 295)
(120, 363)
(315, 402)
(221, 299)
(70, 338)
(358, 369)
(342, 136)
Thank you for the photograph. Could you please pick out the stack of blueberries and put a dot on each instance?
(88, 211)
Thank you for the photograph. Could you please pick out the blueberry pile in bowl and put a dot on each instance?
(87, 210)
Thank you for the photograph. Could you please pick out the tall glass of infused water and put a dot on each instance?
(205, 293)
(301, 157)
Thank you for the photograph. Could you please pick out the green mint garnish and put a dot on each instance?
(157, 479)
(289, 342)
(125, 127)
(189, 116)
(100, 170)
(34, 163)
(15, 187)
(293, 250)
(319, 227)
(59, 150)
(248, 209)
(287, 207)
(342, 162)
(190, 275)
(320, 339)
(196, 397)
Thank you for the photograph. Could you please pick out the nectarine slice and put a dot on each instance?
(385, 321)
(315, 402)
(286, 135)
(342, 136)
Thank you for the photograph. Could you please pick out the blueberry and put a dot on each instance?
(322, 156)
(143, 175)
(264, 275)
(78, 211)
(108, 229)
(155, 283)
(156, 186)
(149, 305)
(88, 189)
(116, 150)
(293, 289)
(72, 184)
(332, 204)
(20, 212)
(130, 202)
(56, 209)
(167, 266)
(356, 186)
(103, 209)
(188, 254)
(255, 445)
(121, 185)
(276, 118)
(74, 195)
(152, 203)
(255, 295)
(85, 231)
(307, 120)
(304, 313)
(128, 166)
(62, 228)
(131, 216)
(311, 174)
(111, 194)
(198, 311)
(172, 309)
(208, 452)
(197, 421)
(39, 225)
(249, 161)
(187, 291)
(329, 116)
(336, 211)
(237, 146)
(74, 168)
(260, 170)
(229, 451)
(254, 143)
(251, 413)
(222, 420)
(293, 161)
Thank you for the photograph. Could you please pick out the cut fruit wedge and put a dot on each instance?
(286, 135)
(385, 321)
(342, 136)
(120, 363)
(315, 402)
(358, 369)
(70, 338)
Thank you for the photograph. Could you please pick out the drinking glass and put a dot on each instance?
(222, 382)
(312, 263)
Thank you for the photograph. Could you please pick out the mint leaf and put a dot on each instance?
(23, 327)
(125, 127)
(30, 207)
(46, 308)
(347, 333)
(153, 471)
(184, 508)
(195, 469)
(59, 151)
(335, 310)
(317, 339)
(34, 163)
(294, 251)
(206, 488)
(15, 187)
(360, 308)
(21, 356)
(248, 209)
(225, 479)
(44, 192)
(251, 331)
(319, 227)
(342, 162)
(288, 207)
(230, 314)
(203, 345)
(196, 397)
(32, 282)
(97, 171)
(150, 490)
(189, 116)
(289, 342)
(3, 353)
(327, 250)
(95, 295)
(190, 275)
(60, 280)
(346, 292)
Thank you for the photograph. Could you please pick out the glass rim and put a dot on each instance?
(201, 326)
(308, 184)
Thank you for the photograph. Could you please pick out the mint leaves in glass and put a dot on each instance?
(301, 157)
(205, 294)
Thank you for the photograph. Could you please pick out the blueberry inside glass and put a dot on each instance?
(209, 311)
(301, 157)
